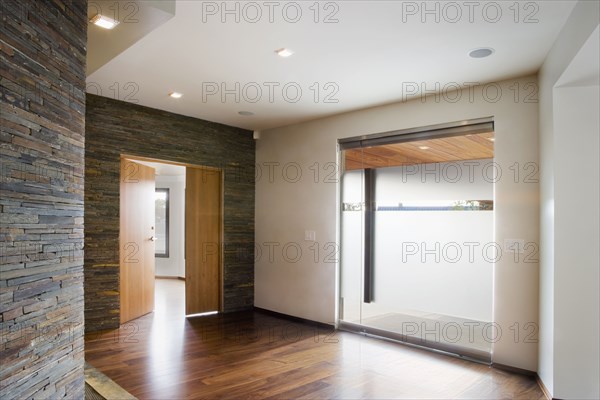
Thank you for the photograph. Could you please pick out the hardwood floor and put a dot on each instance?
(254, 355)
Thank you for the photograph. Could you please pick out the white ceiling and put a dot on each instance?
(138, 18)
(370, 55)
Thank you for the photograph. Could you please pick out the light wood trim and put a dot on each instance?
(158, 160)
(543, 387)
(188, 166)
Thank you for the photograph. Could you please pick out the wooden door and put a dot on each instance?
(203, 216)
(136, 240)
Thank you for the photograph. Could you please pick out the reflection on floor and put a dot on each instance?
(466, 336)
(251, 354)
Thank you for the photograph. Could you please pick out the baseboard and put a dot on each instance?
(295, 319)
(543, 387)
(527, 372)
(169, 277)
(514, 370)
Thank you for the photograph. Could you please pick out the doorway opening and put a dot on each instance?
(417, 237)
(171, 234)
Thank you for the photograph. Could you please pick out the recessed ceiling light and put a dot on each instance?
(284, 52)
(103, 21)
(481, 52)
(246, 113)
(175, 95)
(424, 147)
(492, 139)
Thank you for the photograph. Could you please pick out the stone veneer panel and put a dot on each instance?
(42, 82)
(115, 127)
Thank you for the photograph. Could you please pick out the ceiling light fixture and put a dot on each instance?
(492, 139)
(175, 95)
(246, 113)
(481, 52)
(424, 147)
(284, 52)
(104, 22)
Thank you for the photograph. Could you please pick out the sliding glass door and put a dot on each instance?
(417, 242)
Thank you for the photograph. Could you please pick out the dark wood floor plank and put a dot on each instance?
(253, 355)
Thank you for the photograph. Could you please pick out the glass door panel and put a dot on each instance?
(352, 246)
(429, 242)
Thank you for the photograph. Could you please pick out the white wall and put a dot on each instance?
(174, 265)
(576, 270)
(568, 357)
(286, 205)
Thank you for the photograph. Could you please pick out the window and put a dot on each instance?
(161, 221)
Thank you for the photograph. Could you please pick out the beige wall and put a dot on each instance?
(287, 205)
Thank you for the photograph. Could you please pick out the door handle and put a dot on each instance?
(153, 238)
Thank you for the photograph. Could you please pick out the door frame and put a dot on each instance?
(450, 129)
(134, 157)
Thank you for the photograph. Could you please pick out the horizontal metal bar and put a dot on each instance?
(457, 128)
(449, 349)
